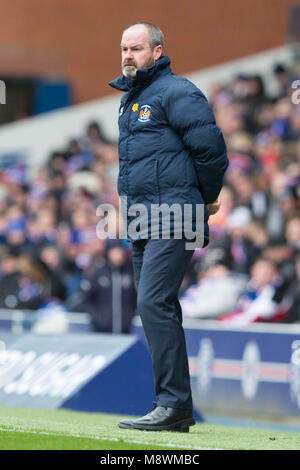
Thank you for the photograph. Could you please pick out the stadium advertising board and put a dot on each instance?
(252, 372)
(84, 372)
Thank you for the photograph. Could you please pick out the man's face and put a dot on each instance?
(263, 273)
(136, 51)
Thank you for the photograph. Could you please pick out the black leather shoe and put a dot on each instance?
(125, 423)
(162, 418)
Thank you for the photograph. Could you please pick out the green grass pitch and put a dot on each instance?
(35, 429)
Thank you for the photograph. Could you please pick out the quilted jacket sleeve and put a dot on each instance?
(192, 118)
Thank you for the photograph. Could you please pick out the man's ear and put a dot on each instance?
(157, 52)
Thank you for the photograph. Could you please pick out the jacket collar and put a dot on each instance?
(143, 76)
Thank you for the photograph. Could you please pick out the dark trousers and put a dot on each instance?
(159, 267)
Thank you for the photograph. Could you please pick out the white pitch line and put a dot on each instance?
(110, 439)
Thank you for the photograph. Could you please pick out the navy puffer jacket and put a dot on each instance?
(170, 148)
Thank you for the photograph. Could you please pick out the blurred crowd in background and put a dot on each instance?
(251, 269)
(51, 256)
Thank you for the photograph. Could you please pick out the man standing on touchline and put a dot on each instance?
(170, 152)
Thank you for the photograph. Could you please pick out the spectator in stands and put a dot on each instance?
(275, 220)
(9, 277)
(258, 235)
(294, 295)
(281, 79)
(57, 163)
(280, 253)
(281, 124)
(293, 233)
(263, 299)
(238, 249)
(109, 293)
(254, 101)
(216, 293)
(24, 284)
(52, 259)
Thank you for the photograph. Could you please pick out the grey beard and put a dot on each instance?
(133, 75)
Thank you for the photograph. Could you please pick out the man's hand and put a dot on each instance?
(213, 207)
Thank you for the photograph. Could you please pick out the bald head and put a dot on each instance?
(139, 48)
(155, 34)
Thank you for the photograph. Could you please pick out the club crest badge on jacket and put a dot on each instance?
(145, 113)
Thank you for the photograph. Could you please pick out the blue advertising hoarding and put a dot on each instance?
(243, 372)
(251, 372)
(86, 372)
